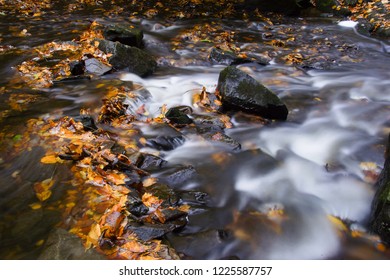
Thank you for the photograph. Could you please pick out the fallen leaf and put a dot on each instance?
(149, 182)
(50, 159)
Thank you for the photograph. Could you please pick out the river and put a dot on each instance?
(305, 174)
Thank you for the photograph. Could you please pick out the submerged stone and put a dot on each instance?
(165, 143)
(150, 162)
(239, 91)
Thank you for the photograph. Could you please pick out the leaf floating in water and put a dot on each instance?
(35, 206)
(42, 189)
(50, 159)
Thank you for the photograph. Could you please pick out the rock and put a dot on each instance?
(62, 245)
(147, 232)
(166, 193)
(178, 116)
(137, 208)
(201, 244)
(328, 6)
(77, 67)
(239, 91)
(224, 139)
(219, 56)
(165, 143)
(380, 214)
(207, 123)
(124, 34)
(180, 176)
(128, 58)
(96, 67)
(87, 121)
(150, 162)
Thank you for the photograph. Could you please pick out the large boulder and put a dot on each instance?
(128, 58)
(380, 215)
(239, 91)
(124, 34)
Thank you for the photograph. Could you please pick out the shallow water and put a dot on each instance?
(309, 167)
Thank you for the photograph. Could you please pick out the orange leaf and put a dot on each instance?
(42, 189)
(150, 200)
(50, 159)
(149, 182)
(93, 236)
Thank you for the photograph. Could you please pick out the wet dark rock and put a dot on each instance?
(147, 232)
(134, 203)
(62, 245)
(328, 6)
(194, 198)
(219, 56)
(166, 193)
(175, 215)
(380, 214)
(87, 121)
(128, 58)
(138, 209)
(124, 34)
(165, 143)
(224, 139)
(96, 67)
(239, 91)
(201, 244)
(77, 67)
(71, 79)
(150, 162)
(180, 176)
(178, 115)
(207, 123)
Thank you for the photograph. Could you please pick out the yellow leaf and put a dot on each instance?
(50, 159)
(35, 206)
(149, 182)
(42, 189)
(39, 242)
(93, 236)
(150, 200)
(338, 223)
(42, 196)
(184, 208)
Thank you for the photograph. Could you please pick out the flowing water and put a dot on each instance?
(312, 167)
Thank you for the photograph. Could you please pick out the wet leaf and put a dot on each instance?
(50, 159)
(35, 206)
(149, 182)
(150, 200)
(93, 236)
(42, 189)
